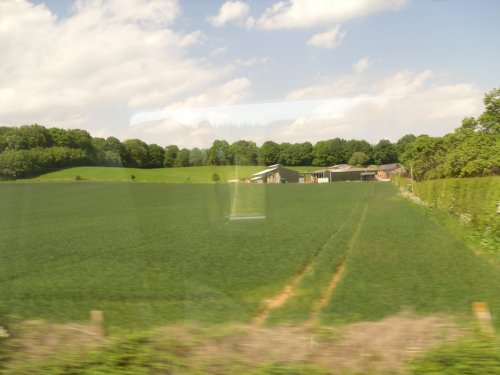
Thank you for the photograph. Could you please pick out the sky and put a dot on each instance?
(187, 72)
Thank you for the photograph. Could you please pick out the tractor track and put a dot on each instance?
(337, 275)
(287, 292)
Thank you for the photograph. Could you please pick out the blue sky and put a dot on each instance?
(188, 72)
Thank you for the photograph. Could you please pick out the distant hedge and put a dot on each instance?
(473, 200)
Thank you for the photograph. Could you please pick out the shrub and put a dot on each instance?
(478, 355)
(215, 177)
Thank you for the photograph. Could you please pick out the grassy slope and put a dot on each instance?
(171, 175)
(154, 253)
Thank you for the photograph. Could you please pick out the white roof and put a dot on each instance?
(270, 169)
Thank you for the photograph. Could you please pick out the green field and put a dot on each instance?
(170, 175)
(150, 254)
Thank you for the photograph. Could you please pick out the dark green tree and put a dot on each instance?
(170, 156)
(384, 152)
(329, 152)
(358, 159)
(354, 145)
(489, 121)
(404, 143)
(243, 153)
(182, 159)
(269, 153)
(156, 156)
(196, 157)
(219, 154)
(136, 153)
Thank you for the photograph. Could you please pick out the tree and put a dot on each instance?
(35, 136)
(98, 153)
(60, 137)
(136, 153)
(384, 152)
(425, 155)
(182, 159)
(330, 152)
(358, 159)
(285, 157)
(269, 153)
(352, 146)
(80, 139)
(218, 154)
(243, 153)
(302, 153)
(404, 143)
(170, 156)
(156, 156)
(196, 157)
(489, 120)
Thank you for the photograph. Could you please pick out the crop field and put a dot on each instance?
(170, 175)
(149, 254)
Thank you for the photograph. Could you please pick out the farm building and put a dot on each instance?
(344, 174)
(275, 174)
(384, 171)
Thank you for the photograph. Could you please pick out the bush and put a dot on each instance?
(473, 200)
(478, 355)
(4, 336)
(215, 177)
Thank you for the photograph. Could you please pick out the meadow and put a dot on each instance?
(169, 175)
(149, 254)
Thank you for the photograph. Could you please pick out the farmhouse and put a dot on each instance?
(384, 171)
(275, 174)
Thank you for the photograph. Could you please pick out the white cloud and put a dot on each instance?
(152, 12)
(361, 65)
(219, 51)
(405, 102)
(230, 11)
(196, 37)
(250, 23)
(250, 62)
(307, 13)
(328, 39)
(95, 67)
(231, 92)
(403, 83)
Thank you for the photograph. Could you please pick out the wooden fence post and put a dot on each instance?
(96, 323)
(483, 316)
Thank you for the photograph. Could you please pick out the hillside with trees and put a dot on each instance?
(472, 150)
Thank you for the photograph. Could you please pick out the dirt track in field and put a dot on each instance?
(339, 272)
(287, 291)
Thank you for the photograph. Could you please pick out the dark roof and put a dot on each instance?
(386, 167)
(353, 170)
(340, 166)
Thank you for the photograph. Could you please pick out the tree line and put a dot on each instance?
(472, 150)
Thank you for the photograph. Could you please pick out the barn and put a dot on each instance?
(275, 174)
(384, 171)
(353, 174)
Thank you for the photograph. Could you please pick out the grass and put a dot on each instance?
(170, 175)
(403, 258)
(149, 254)
(154, 253)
